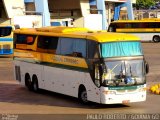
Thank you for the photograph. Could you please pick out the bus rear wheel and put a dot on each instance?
(35, 86)
(156, 39)
(28, 82)
(83, 96)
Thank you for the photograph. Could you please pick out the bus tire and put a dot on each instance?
(156, 38)
(28, 82)
(83, 95)
(35, 86)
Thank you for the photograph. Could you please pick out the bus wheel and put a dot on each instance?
(35, 86)
(28, 82)
(83, 96)
(156, 39)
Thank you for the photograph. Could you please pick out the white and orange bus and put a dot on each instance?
(101, 67)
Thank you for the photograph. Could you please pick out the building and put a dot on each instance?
(94, 14)
(14, 12)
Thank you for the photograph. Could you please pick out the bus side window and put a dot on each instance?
(21, 41)
(128, 25)
(120, 25)
(47, 44)
(144, 25)
(75, 47)
(157, 25)
(135, 25)
(153, 25)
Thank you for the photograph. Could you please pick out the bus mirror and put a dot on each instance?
(16, 26)
(147, 67)
(97, 75)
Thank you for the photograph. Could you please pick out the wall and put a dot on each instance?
(28, 21)
(64, 4)
(62, 9)
(14, 7)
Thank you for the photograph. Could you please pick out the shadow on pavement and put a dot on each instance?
(15, 93)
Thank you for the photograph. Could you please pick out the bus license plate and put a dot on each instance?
(125, 101)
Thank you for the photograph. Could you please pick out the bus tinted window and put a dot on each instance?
(121, 25)
(72, 47)
(127, 25)
(154, 25)
(5, 31)
(25, 39)
(157, 24)
(143, 25)
(135, 25)
(92, 49)
(47, 44)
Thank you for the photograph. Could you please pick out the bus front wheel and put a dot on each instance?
(83, 96)
(156, 39)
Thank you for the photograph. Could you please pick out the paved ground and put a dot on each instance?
(16, 99)
(152, 54)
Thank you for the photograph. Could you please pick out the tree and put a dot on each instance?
(144, 4)
(157, 0)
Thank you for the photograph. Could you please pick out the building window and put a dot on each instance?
(30, 6)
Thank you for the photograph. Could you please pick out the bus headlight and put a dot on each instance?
(142, 89)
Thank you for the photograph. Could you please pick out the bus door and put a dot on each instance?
(93, 86)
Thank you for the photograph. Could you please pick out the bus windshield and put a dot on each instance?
(124, 73)
(5, 31)
(120, 49)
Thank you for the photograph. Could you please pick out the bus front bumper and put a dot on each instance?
(123, 96)
(6, 51)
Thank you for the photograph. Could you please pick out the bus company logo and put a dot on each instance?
(58, 59)
(69, 60)
(65, 60)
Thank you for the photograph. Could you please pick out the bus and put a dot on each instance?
(6, 40)
(147, 29)
(102, 67)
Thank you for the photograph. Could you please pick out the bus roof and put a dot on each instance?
(6, 25)
(99, 36)
(136, 21)
(61, 29)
